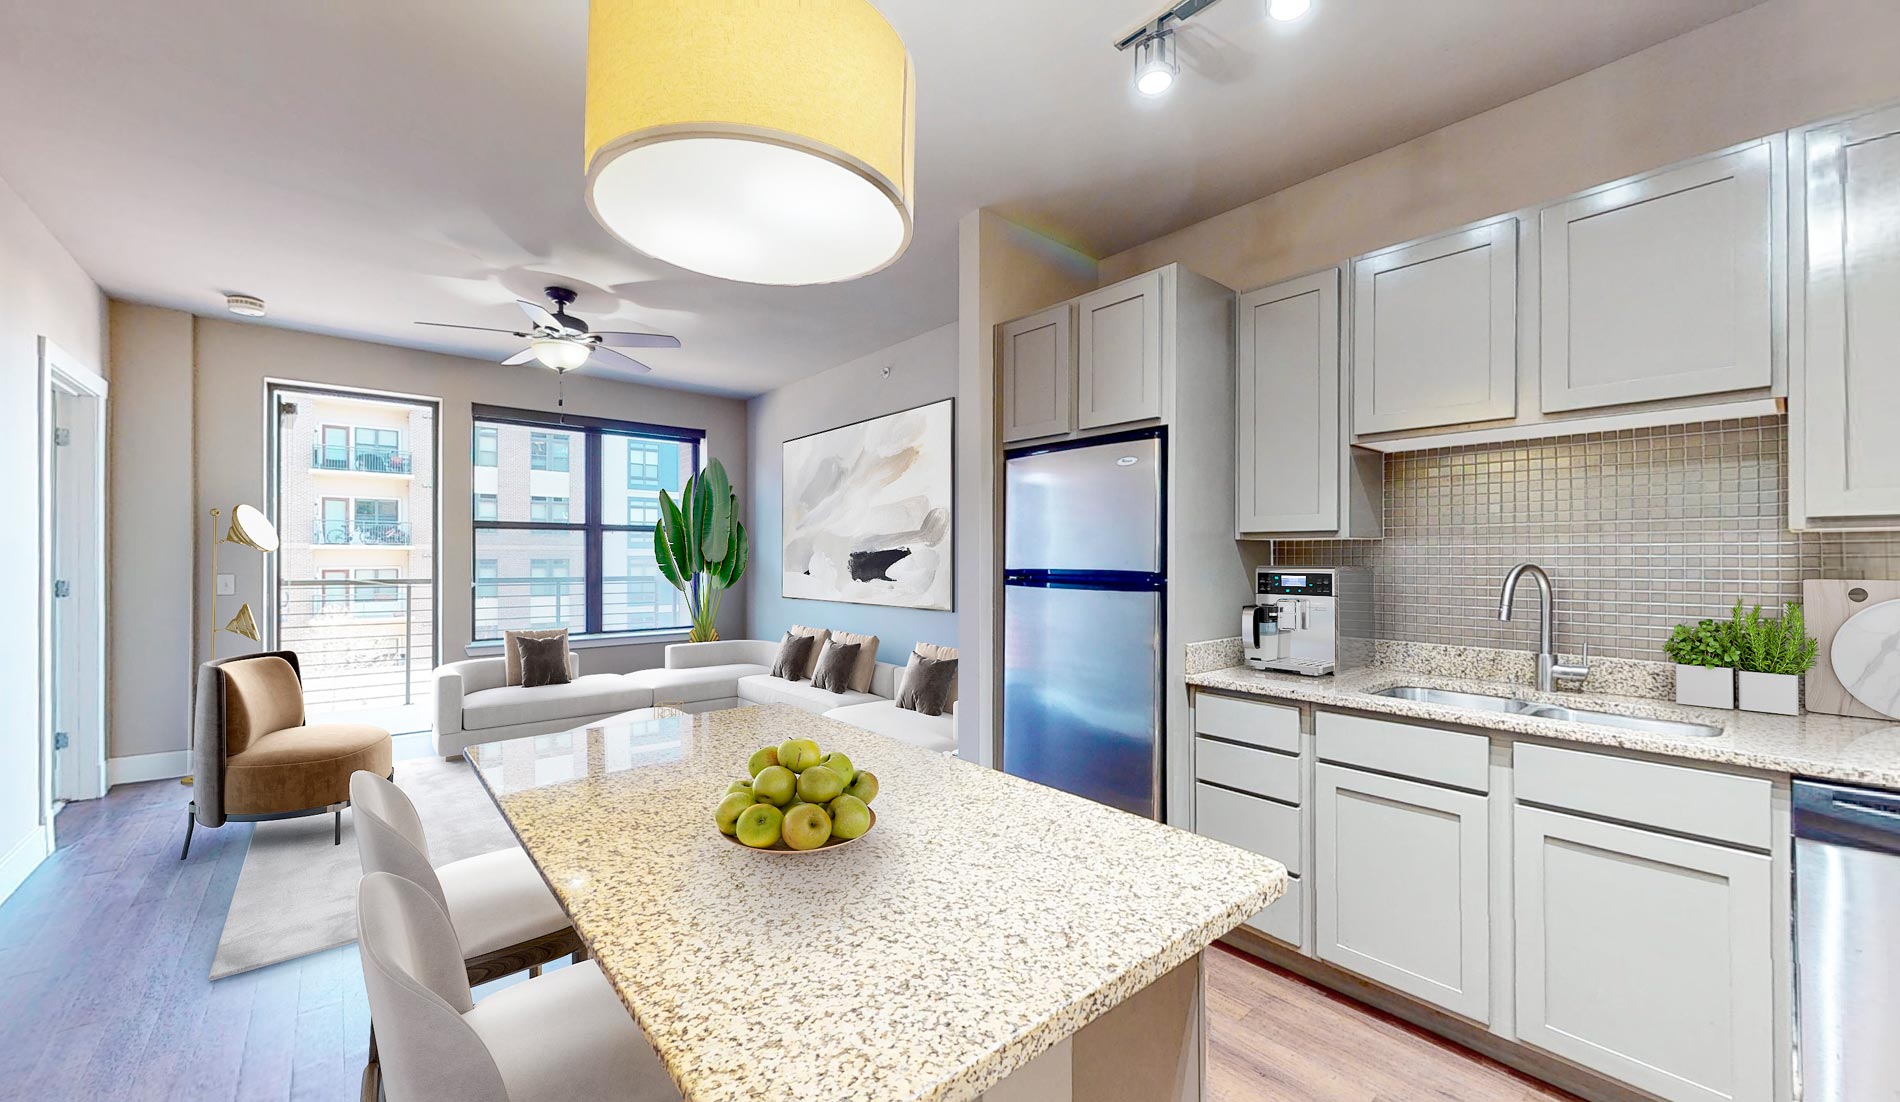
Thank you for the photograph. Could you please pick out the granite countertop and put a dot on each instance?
(1834, 748)
(983, 920)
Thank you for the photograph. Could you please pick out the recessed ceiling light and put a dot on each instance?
(248, 306)
(1156, 63)
(1286, 11)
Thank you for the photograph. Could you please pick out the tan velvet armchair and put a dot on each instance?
(255, 756)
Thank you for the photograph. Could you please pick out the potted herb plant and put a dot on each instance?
(1774, 655)
(1705, 655)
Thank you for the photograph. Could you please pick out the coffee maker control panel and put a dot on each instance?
(1312, 584)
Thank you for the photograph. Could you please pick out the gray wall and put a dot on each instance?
(922, 370)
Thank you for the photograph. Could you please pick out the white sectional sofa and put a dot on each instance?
(474, 704)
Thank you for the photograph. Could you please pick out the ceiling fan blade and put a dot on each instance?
(638, 340)
(636, 364)
(539, 316)
(477, 328)
(526, 355)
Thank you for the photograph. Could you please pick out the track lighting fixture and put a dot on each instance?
(1157, 63)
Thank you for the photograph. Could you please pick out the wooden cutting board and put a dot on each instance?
(1858, 626)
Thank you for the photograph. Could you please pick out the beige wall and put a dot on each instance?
(231, 363)
(43, 293)
(1767, 69)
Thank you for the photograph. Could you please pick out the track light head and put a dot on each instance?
(1156, 63)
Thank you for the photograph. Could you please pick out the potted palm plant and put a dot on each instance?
(1774, 655)
(700, 546)
(1705, 655)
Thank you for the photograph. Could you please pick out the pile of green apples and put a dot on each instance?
(797, 795)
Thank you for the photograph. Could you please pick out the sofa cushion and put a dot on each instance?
(261, 695)
(765, 689)
(789, 662)
(691, 684)
(927, 684)
(867, 658)
(302, 767)
(511, 654)
(884, 717)
(819, 635)
(932, 650)
(594, 694)
(838, 668)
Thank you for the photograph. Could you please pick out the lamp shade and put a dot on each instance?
(250, 527)
(761, 142)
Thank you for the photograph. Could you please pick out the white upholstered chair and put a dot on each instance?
(561, 1037)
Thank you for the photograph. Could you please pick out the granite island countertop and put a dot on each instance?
(983, 920)
(1823, 747)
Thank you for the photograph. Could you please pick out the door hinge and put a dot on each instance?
(62, 437)
(61, 740)
(62, 588)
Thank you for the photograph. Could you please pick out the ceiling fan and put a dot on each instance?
(562, 341)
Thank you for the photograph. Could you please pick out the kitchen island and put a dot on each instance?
(989, 938)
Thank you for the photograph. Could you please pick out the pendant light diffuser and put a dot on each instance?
(767, 143)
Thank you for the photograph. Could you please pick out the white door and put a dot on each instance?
(72, 540)
(1435, 331)
(1288, 444)
(1119, 365)
(1646, 957)
(1845, 326)
(1402, 885)
(1039, 374)
(1660, 287)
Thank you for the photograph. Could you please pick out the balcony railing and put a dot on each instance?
(363, 457)
(360, 643)
(337, 533)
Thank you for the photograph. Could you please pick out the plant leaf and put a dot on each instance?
(663, 556)
(721, 504)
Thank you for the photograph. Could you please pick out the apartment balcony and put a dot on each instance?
(361, 534)
(362, 459)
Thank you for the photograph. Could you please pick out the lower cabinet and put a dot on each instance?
(1644, 956)
(1266, 827)
(1402, 885)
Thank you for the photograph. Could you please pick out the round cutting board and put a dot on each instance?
(1866, 657)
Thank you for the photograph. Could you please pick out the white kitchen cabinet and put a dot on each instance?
(1039, 374)
(1435, 331)
(1119, 367)
(1661, 287)
(1844, 324)
(1402, 885)
(1295, 471)
(1645, 956)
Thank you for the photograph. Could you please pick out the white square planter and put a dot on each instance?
(1779, 693)
(1703, 687)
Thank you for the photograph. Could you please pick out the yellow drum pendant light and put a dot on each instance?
(768, 141)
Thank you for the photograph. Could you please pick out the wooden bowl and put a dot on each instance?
(830, 843)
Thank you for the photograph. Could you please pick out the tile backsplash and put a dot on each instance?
(1639, 529)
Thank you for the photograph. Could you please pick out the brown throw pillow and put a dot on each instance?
(818, 636)
(867, 659)
(543, 661)
(927, 684)
(792, 652)
(837, 667)
(511, 657)
(932, 650)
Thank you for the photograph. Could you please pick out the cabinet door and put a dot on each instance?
(1402, 886)
(1435, 331)
(1039, 374)
(1287, 442)
(1120, 364)
(1845, 382)
(1646, 957)
(1660, 288)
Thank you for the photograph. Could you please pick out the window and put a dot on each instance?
(547, 565)
(547, 451)
(487, 446)
(333, 448)
(377, 600)
(334, 525)
(379, 522)
(335, 598)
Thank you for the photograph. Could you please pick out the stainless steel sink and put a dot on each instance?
(1484, 702)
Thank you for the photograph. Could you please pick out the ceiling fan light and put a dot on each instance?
(770, 143)
(561, 355)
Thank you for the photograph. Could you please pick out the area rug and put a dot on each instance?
(296, 894)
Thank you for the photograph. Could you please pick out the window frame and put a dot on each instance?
(591, 526)
(494, 451)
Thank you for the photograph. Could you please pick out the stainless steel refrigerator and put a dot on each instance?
(1084, 578)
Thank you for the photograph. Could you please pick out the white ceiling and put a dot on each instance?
(363, 166)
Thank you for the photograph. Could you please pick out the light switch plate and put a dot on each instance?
(227, 585)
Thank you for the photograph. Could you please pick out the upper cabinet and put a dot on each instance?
(1844, 321)
(1119, 370)
(1661, 287)
(1039, 374)
(1435, 331)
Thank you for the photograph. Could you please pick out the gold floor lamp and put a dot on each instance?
(249, 528)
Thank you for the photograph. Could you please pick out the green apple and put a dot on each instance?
(841, 765)
(849, 817)
(759, 826)
(762, 757)
(774, 785)
(807, 827)
(740, 786)
(798, 754)
(863, 786)
(729, 810)
(819, 785)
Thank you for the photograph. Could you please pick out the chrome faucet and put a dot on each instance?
(1549, 670)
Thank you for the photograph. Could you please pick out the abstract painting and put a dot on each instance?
(867, 511)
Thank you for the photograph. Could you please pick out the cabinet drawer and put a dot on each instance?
(1269, 829)
(1284, 918)
(1274, 726)
(1718, 806)
(1406, 750)
(1261, 772)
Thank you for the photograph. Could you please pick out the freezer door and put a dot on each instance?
(1081, 691)
(1093, 508)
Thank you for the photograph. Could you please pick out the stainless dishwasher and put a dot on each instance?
(1847, 943)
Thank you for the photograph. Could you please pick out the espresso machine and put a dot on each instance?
(1312, 621)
